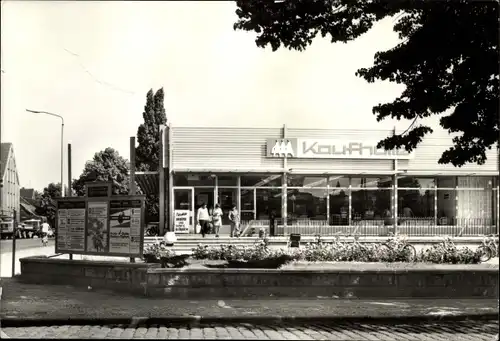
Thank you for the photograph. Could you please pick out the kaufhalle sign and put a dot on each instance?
(331, 149)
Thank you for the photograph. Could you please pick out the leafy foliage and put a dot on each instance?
(148, 134)
(147, 152)
(47, 204)
(448, 60)
(394, 250)
(107, 165)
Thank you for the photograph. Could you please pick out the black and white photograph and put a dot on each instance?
(250, 169)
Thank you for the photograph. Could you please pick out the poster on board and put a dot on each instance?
(70, 236)
(181, 221)
(125, 226)
(97, 227)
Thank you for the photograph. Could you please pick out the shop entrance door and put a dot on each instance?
(248, 211)
(184, 204)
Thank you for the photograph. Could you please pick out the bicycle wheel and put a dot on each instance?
(485, 253)
(411, 251)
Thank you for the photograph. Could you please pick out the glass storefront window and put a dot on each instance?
(414, 182)
(306, 204)
(268, 201)
(339, 206)
(483, 182)
(371, 182)
(338, 181)
(448, 182)
(227, 180)
(267, 180)
(474, 209)
(306, 181)
(194, 179)
(416, 207)
(371, 204)
(446, 207)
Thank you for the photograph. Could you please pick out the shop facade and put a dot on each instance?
(320, 181)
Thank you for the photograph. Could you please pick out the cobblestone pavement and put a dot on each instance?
(463, 331)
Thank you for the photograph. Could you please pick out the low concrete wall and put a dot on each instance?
(117, 276)
(440, 281)
(353, 283)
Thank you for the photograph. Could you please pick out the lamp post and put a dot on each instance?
(62, 137)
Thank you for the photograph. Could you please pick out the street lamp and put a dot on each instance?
(62, 136)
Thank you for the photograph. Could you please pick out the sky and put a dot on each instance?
(94, 62)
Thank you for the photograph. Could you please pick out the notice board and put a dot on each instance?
(105, 226)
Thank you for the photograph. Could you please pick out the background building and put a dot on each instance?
(327, 181)
(9, 194)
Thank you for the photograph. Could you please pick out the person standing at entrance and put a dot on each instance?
(203, 219)
(217, 219)
(234, 217)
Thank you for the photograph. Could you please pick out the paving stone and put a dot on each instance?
(462, 331)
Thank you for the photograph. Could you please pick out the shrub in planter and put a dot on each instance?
(452, 255)
(157, 251)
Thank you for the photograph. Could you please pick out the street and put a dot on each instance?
(24, 248)
(22, 244)
(430, 331)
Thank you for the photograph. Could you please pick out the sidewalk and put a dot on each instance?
(27, 303)
(6, 258)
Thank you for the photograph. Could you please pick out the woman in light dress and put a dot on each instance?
(217, 219)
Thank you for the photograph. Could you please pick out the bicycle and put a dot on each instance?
(398, 245)
(489, 248)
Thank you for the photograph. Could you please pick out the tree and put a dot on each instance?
(448, 60)
(148, 134)
(148, 151)
(107, 165)
(47, 203)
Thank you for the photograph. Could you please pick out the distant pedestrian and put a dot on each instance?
(234, 218)
(203, 219)
(217, 219)
(45, 233)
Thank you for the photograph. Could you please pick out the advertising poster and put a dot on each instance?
(181, 221)
(125, 227)
(71, 226)
(97, 227)
(135, 227)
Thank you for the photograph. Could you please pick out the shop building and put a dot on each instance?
(326, 181)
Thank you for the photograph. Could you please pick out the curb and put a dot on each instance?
(134, 322)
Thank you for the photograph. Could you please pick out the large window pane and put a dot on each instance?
(268, 180)
(339, 206)
(306, 181)
(371, 205)
(338, 181)
(247, 204)
(414, 182)
(227, 180)
(475, 210)
(416, 207)
(446, 207)
(475, 182)
(194, 179)
(371, 182)
(446, 182)
(268, 201)
(306, 204)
